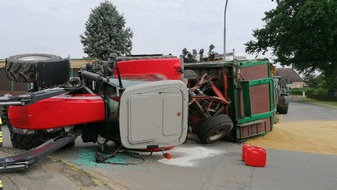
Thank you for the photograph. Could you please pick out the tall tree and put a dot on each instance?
(106, 33)
(301, 33)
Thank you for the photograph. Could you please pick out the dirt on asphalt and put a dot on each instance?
(307, 136)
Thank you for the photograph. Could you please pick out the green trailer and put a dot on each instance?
(249, 86)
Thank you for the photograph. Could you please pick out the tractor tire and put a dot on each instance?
(191, 77)
(27, 141)
(190, 74)
(214, 128)
(282, 109)
(37, 68)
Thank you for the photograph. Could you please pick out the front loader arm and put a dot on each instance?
(27, 158)
(31, 97)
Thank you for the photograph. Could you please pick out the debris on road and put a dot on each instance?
(305, 136)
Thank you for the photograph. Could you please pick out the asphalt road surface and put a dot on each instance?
(299, 111)
(193, 166)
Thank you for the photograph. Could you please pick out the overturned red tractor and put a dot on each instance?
(137, 102)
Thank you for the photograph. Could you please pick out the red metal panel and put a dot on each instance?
(254, 128)
(58, 111)
(259, 96)
(255, 72)
(169, 67)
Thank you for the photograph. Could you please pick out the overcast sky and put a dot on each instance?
(159, 26)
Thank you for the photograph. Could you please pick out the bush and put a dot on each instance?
(299, 91)
(320, 92)
(296, 91)
(315, 93)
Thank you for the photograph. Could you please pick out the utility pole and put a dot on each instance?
(224, 33)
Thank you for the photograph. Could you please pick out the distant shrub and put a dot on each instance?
(318, 93)
(315, 93)
(299, 91)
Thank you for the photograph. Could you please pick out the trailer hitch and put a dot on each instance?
(26, 159)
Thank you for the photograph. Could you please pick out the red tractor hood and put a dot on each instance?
(58, 111)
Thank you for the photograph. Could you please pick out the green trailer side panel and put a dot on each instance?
(246, 98)
(253, 106)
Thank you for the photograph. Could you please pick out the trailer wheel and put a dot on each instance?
(28, 141)
(37, 68)
(214, 128)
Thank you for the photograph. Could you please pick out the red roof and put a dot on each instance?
(289, 73)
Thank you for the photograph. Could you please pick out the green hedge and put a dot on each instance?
(315, 93)
(297, 91)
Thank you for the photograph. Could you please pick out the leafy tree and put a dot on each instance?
(315, 81)
(106, 33)
(301, 33)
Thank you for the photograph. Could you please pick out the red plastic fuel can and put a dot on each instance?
(254, 155)
(244, 148)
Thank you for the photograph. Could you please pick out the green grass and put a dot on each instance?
(276, 119)
(319, 102)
